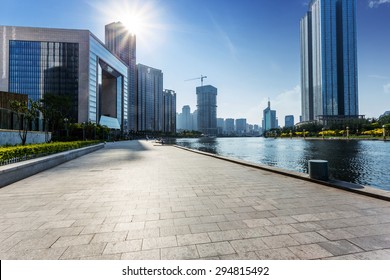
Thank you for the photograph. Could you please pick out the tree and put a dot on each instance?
(55, 108)
(25, 115)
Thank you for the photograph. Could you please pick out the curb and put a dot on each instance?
(342, 185)
(17, 171)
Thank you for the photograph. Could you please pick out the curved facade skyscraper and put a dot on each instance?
(329, 77)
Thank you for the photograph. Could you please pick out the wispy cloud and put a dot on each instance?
(224, 37)
(377, 3)
(386, 88)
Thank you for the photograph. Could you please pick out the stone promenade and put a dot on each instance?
(139, 200)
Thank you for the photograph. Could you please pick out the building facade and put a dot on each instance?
(229, 126)
(289, 121)
(169, 111)
(241, 127)
(329, 77)
(122, 43)
(269, 118)
(150, 100)
(207, 109)
(35, 61)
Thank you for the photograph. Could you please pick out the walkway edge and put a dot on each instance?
(17, 171)
(355, 188)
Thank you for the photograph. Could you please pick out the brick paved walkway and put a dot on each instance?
(137, 200)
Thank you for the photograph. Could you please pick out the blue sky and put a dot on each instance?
(249, 49)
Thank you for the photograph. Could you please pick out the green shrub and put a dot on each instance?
(36, 150)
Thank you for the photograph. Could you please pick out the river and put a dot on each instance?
(360, 162)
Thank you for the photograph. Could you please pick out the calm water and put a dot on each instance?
(360, 162)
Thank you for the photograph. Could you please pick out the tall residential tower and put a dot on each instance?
(123, 44)
(329, 78)
(207, 109)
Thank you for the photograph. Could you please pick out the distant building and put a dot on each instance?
(185, 119)
(220, 126)
(229, 126)
(149, 99)
(289, 121)
(269, 118)
(241, 127)
(207, 109)
(195, 126)
(169, 111)
(329, 74)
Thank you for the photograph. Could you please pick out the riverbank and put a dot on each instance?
(142, 200)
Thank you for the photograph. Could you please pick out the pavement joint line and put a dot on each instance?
(342, 185)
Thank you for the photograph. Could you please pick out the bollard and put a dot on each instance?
(318, 169)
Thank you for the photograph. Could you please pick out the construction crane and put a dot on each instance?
(199, 78)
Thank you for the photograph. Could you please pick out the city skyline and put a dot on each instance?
(250, 52)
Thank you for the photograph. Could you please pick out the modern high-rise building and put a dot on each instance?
(207, 109)
(329, 77)
(269, 118)
(289, 121)
(74, 63)
(169, 111)
(150, 101)
(186, 117)
(229, 126)
(220, 126)
(241, 126)
(123, 44)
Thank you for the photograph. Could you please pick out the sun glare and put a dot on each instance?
(135, 23)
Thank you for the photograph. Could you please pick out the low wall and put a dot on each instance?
(17, 171)
(11, 137)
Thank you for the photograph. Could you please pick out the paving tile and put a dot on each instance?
(276, 254)
(147, 217)
(225, 235)
(214, 249)
(199, 228)
(248, 245)
(180, 253)
(142, 255)
(109, 237)
(254, 232)
(176, 230)
(159, 223)
(213, 219)
(122, 246)
(310, 252)
(173, 215)
(232, 225)
(336, 234)
(98, 228)
(240, 256)
(308, 237)
(341, 247)
(57, 224)
(104, 257)
(372, 242)
(186, 221)
(279, 241)
(34, 244)
(74, 240)
(282, 220)
(143, 233)
(257, 223)
(371, 255)
(280, 229)
(129, 226)
(40, 254)
(159, 242)
(82, 251)
(191, 239)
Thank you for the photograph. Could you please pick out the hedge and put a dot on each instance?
(18, 153)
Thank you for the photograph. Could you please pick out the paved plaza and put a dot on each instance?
(141, 200)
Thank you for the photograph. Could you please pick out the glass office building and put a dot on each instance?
(123, 44)
(150, 100)
(37, 61)
(329, 77)
(207, 110)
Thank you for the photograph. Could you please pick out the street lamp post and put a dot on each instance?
(66, 127)
(290, 134)
(83, 124)
(347, 132)
(384, 132)
(304, 134)
(323, 133)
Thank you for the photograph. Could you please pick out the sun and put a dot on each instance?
(135, 23)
